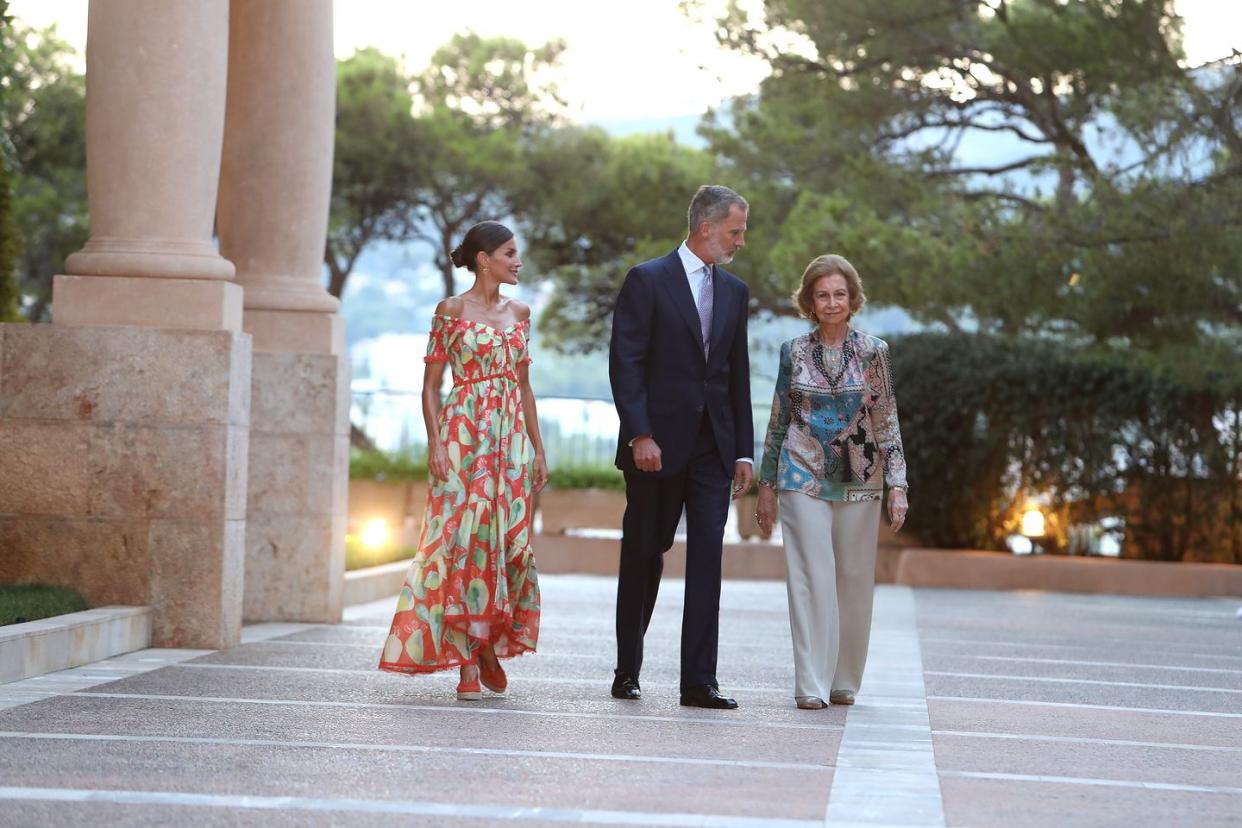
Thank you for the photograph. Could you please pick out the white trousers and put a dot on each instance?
(830, 575)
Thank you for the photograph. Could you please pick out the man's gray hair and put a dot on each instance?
(712, 203)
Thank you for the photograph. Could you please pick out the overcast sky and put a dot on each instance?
(637, 59)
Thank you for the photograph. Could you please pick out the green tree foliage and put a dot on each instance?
(1104, 204)
(10, 245)
(989, 422)
(424, 157)
(373, 162)
(482, 102)
(43, 116)
(599, 205)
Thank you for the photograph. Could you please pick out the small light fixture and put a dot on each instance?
(375, 533)
(1033, 522)
(1020, 545)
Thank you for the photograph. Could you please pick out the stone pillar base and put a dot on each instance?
(299, 467)
(196, 304)
(124, 470)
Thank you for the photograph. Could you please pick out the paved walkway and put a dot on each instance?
(978, 709)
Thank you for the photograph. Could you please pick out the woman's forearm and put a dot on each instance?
(431, 416)
(531, 415)
(432, 404)
(778, 422)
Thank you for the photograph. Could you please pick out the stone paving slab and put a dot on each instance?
(319, 812)
(1017, 688)
(1134, 763)
(1087, 722)
(1083, 669)
(983, 647)
(27, 813)
(976, 802)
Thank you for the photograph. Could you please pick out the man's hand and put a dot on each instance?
(646, 454)
(743, 476)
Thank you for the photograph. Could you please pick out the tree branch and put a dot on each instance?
(983, 195)
(1003, 168)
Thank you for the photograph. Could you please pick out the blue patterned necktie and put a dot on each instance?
(704, 301)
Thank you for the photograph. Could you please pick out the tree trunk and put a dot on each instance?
(446, 273)
(37, 312)
(336, 275)
(1235, 478)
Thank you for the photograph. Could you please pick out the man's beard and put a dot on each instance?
(718, 254)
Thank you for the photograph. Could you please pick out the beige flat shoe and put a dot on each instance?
(809, 702)
(841, 697)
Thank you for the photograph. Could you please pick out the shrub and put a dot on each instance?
(358, 556)
(10, 243)
(586, 477)
(372, 464)
(987, 421)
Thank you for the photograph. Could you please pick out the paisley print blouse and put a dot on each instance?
(833, 433)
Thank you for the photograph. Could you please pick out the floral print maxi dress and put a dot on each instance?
(473, 577)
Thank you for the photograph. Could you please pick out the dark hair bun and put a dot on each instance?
(484, 237)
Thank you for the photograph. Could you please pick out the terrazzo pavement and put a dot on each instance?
(978, 708)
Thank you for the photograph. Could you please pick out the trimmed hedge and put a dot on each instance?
(359, 557)
(586, 477)
(989, 421)
(372, 464)
(379, 465)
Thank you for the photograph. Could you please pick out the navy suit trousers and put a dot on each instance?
(653, 509)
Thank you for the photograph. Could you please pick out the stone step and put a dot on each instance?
(71, 640)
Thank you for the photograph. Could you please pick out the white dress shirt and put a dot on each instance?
(694, 267)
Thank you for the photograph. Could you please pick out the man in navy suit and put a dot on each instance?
(680, 376)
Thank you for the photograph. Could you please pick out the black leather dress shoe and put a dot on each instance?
(704, 695)
(625, 686)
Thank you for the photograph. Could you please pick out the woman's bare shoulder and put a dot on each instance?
(521, 310)
(452, 306)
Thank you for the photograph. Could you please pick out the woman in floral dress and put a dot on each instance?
(471, 595)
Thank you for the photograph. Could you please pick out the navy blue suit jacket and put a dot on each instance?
(661, 381)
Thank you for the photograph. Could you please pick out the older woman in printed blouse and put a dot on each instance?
(833, 446)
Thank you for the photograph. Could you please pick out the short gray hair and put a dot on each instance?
(712, 203)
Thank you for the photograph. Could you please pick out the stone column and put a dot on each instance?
(123, 426)
(275, 184)
(155, 86)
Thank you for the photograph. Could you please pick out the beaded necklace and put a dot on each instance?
(847, 354)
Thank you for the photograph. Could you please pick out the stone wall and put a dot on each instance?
(123, 455)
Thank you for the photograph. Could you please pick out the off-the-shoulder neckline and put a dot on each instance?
(517, 324)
